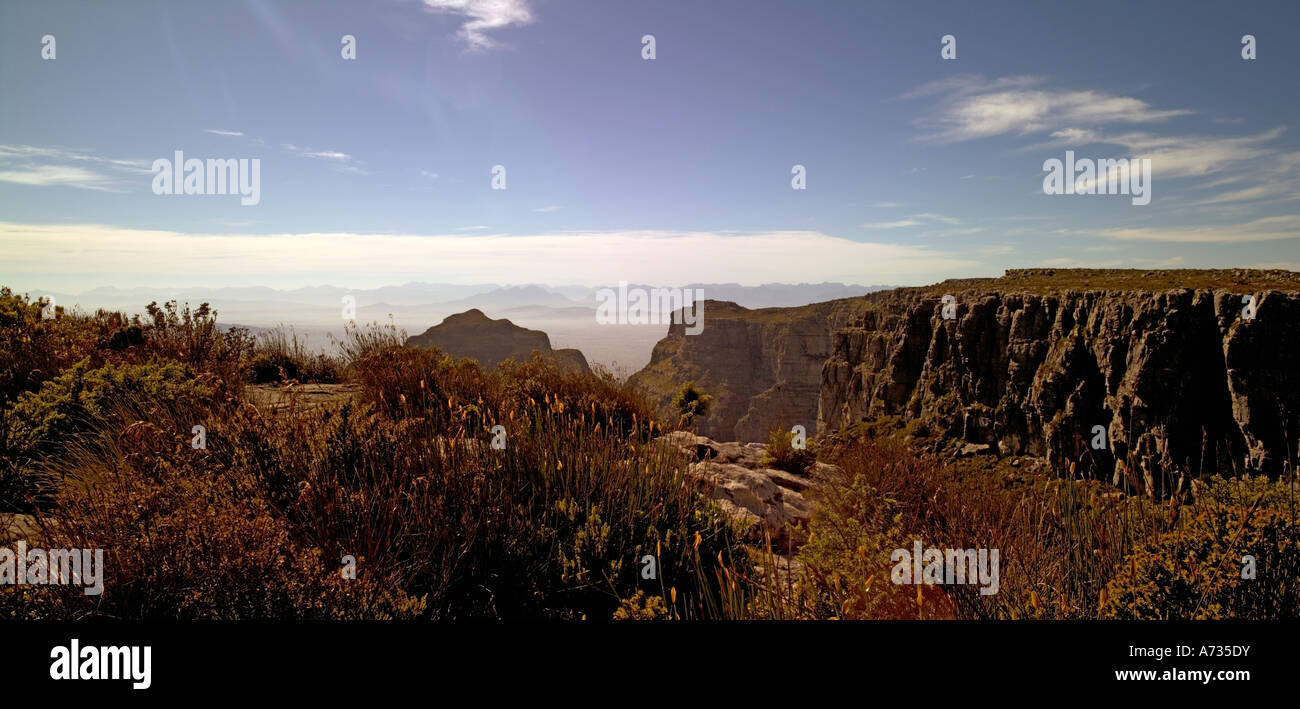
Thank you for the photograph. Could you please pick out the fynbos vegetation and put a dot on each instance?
(430, 487)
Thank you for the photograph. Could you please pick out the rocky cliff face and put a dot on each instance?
(763, 367)
(1170, 382)
(476, 336)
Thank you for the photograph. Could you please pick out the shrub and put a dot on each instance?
(41, 423)
(690, 403)
(264, 369)
(642, 607)
(279, 355)
(33, 348)
(1063, 538)
(192, 337)
(858, 524)
(188, 538)
(782, 454)
(1197, 571)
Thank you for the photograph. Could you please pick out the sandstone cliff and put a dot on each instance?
(476, 336)
(763, 367)
(1164, 362)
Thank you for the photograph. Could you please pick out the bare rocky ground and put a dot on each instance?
(15, 527)
(275, 396)
(771, 501)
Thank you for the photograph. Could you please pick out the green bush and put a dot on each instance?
(34, 348)
(1196, 571)
(41, 423)
(853, 532)
(690, 403)
(264, 369)
(782, 455)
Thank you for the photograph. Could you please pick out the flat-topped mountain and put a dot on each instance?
(476, 336)
(1180, 371)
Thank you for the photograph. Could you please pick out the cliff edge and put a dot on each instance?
(1141, 377)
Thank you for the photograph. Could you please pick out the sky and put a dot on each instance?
(379, 170)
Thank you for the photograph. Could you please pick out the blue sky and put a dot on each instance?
(673, 170)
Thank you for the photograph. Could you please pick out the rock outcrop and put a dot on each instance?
(476, 336)
(746, 488)
(1170, 383)
(763, 367)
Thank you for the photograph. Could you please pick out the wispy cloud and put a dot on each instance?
(218, 131)
(342, 161)
(1251, 194)
(31, 152)
(57, 176)
(937, 218)
(1286, 226)
(965, 231)
(1194, 155)
(996, 250)
(1249, 164)
(551, 208)
(916, 220)
(892, 225)
(61, 167)
(323, 154)
(484, 16)
(971, 107)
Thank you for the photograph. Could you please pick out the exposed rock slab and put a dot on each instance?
(274, 396)
(15, 527)
(745, 488)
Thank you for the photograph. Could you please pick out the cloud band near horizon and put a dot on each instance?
(40, 253)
